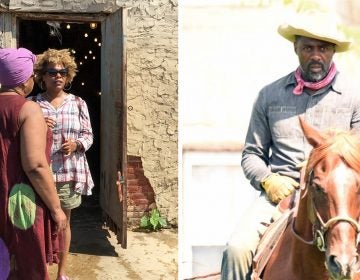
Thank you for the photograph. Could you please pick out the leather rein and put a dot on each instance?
(320, 227)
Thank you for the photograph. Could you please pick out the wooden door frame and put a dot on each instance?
(12, 18)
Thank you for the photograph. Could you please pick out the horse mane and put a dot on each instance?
(345, 144)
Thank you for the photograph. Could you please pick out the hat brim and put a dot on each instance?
(289, 32)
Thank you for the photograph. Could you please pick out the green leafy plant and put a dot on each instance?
(152, 220)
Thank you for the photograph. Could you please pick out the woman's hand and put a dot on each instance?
(69, 146)
(60, 219)
(50, 122)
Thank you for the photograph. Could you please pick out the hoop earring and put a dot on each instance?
(42, 86)
(69, 86)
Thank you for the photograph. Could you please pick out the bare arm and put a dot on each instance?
(33, 159)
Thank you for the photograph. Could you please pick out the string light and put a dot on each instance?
(93, 25)
(91, 54)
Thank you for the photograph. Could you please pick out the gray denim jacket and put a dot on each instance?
(275, 142)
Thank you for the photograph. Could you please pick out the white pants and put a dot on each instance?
(237, 258)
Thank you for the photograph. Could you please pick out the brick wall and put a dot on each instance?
(141, 197)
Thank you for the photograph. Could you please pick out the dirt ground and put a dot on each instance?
(95, 254)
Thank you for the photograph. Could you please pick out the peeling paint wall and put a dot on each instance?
(152, 97)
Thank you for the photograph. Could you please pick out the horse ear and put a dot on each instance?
(313, 136)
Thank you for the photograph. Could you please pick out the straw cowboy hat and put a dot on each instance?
(316, 25)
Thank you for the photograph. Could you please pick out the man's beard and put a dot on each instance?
(315, 77)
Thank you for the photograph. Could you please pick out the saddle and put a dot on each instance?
(273, 234)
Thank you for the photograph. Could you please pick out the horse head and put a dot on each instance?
(332, 179)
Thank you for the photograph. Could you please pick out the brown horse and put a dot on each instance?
(321, 240)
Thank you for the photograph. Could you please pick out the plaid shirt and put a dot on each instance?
(72, 122)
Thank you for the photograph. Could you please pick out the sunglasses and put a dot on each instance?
(53, 72)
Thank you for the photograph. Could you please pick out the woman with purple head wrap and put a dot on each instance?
(16, 66)
(31, 219)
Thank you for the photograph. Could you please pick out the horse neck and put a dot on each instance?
(292, 256)
(304, 228)
(303, 225)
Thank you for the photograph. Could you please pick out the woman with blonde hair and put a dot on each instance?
(68, 117)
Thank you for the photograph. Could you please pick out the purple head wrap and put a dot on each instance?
(16, 66)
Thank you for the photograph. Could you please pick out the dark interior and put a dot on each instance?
(38, 36)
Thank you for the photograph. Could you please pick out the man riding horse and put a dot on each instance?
(275, 144)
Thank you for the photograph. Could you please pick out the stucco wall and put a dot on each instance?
(152, 94)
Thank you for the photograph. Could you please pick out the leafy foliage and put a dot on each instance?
(153, 221)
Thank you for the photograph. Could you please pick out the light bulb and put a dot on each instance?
(93, 25)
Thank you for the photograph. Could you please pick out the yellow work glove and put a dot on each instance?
(278, 187)
(302, 164)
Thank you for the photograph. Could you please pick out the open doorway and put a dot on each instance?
(100, 51)
(84, 41)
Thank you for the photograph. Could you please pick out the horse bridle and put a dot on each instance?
(320, 227)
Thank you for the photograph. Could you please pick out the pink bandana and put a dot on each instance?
(316, 85)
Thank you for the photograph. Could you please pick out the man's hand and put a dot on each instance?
(278, 187)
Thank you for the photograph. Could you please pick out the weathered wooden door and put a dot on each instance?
(7, 30)
(113, 124)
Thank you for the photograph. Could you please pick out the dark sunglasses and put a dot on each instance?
(53, 72)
